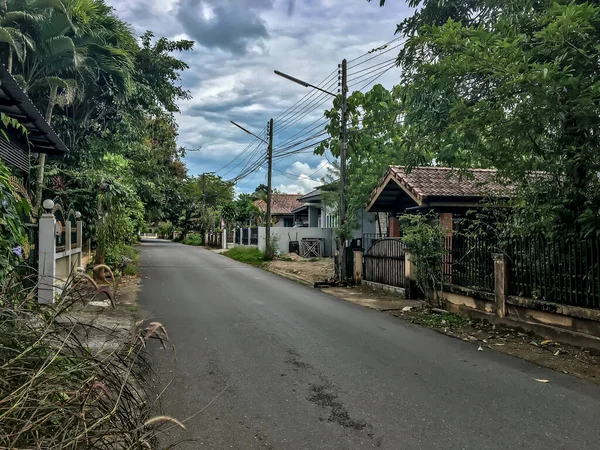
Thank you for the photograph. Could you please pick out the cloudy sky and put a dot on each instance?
(238, 45)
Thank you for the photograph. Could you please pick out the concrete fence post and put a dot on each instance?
(224, 239)
(409, 276)
(46, 259)
(500, 283)
(358, 267)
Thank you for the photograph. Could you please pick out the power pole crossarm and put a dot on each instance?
(269, 190)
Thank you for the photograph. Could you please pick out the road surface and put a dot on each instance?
(263, 362)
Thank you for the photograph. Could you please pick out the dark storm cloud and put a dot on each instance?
(232, 25)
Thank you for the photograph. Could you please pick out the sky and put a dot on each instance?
(238, 45)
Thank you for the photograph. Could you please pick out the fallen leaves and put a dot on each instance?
(541, 380)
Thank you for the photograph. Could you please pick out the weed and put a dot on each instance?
(130, 270)
(59, 393)
(133, 308)
(433, 320)
(193, 239)
(249, 255)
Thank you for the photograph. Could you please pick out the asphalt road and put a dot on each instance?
(263, 362)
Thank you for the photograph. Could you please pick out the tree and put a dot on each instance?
(512, 86)
(375, 141)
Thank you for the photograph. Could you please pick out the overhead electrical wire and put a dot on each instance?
(302, 140)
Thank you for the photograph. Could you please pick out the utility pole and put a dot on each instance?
(341, 266)
(343, 156)
(269, 190)
(203, 195)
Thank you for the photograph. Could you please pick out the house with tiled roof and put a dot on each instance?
(282, 210)
(447, 191)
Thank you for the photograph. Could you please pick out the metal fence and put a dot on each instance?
(565, 271)
(468, 261)
(253, 236)
(245, 236)
(384, 262)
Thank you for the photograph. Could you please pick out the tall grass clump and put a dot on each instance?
(248, 255)
(193, 239)
(56, 391)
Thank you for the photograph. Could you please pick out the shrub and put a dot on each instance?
(13, 241)
(249, 255)
(193, 239)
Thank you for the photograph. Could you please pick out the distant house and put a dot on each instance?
(323, 216)
(441, 189)
(282, 210)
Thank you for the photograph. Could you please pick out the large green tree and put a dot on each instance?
(512, 86)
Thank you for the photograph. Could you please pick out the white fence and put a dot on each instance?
(56, 264)
(284, 236)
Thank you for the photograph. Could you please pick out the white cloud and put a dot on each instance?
(304, 178)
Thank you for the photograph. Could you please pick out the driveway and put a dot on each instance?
(263, 362)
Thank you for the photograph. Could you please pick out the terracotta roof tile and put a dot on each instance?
(280, 203)
(425, 182)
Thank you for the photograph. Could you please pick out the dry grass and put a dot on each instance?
(56, 393)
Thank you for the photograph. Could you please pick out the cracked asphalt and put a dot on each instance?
(263, 362)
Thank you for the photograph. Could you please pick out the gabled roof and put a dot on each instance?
(424, 184)
(16, 104)
(280, 203)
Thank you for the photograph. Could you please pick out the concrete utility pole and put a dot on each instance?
(341, 266)
(269, 190)
(203, 195)
(343, 156)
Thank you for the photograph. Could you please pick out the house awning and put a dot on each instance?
(41, 137)
(438, 187)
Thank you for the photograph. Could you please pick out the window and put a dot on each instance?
(288, 223)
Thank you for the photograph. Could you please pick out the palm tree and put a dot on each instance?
(76, 46)
(12, 18)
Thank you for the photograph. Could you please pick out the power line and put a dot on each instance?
(371, 51)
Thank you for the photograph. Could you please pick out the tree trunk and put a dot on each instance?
(39, 187)
(99, 258)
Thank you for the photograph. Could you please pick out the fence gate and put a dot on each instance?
(384, 262)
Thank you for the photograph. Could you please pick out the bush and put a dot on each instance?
(193, 239)
(249, 255)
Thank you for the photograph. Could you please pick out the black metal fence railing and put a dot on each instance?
(253, 236)
(245, 236)
(468, 262)
(565, 271)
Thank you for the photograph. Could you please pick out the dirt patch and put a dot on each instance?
(554, 355)
(309, 270)
(372, 298)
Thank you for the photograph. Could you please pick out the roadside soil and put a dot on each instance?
(310, 270)
(564, 358)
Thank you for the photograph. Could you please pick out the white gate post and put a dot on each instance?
(224, 239)
(68, 245)
(46, 258)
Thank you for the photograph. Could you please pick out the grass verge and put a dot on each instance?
(248, 255)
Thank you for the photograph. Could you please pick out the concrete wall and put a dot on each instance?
(284, 235)
(573, 325)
